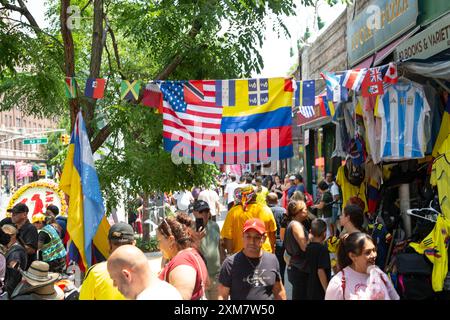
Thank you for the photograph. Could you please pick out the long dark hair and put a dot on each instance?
(180, 227)
(353, 243)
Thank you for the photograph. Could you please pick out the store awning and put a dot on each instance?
(437, 70)
(378, 57)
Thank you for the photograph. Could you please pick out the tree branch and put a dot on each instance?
(164, 74)
(69, 57)
(115, 47)
(101, 137)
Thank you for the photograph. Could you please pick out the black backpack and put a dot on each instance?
(354, 173)
(414, 276)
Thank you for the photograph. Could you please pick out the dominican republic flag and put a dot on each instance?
(95, 88)
(352, 79)
(210, 93)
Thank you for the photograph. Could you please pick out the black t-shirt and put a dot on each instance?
(44, 237)
(327, 211)
(17, 253)
(29, 235)
(318, 258)
(278, 213)
(247, 282)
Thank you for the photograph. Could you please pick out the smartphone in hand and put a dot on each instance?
(198, 224)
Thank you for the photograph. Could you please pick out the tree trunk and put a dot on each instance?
(145, 217)
(96, 62)
(69, 58)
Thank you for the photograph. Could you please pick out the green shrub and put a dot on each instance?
(147, 246)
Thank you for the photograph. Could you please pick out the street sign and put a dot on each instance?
(35, 141)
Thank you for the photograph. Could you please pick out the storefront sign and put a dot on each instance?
(8, 163)
(431, 41)
(378, 25)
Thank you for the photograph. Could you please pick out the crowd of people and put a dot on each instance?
(272, 227)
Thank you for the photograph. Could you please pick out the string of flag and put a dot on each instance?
(370, 81)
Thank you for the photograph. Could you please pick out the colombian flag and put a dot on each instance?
(261, 119)
(86, 221)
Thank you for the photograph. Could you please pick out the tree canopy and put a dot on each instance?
(123, 39)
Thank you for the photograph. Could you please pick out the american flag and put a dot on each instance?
(195, 124)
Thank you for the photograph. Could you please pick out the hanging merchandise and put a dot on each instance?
(373, 127)
(402, 110)
(433, 122)
(341, 132)
(348, 189)
(374, 179)
(445, 127)
(435, 248)
(440, 176)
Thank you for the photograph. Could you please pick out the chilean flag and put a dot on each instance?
(95, 88)
(352, 79)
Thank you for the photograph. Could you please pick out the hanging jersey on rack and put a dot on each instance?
(402, 110)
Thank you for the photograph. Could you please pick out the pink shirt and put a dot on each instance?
(355, 286)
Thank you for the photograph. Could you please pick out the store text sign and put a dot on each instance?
(431, 41)
(381, 22)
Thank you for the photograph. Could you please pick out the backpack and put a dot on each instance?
(414, 276)
(308, 199)
(354, 173)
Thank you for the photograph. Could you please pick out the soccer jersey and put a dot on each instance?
(402, 110)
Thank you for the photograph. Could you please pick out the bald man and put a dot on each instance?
(130, 271)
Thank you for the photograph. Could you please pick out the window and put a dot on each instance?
(18, 122)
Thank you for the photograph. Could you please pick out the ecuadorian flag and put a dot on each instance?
(86, 220)
(258, 127)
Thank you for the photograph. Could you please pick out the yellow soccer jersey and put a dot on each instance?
(98, 285)
(234, 224)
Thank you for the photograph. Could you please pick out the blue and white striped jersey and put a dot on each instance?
(402, 110)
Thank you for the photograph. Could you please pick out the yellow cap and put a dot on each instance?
(39, 217)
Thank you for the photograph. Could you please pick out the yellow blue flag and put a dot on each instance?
(86, 220)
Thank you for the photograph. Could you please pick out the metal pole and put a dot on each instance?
(403, 192)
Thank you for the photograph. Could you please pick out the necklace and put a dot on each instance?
(251, 263)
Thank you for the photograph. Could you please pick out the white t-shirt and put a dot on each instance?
(355, 286)
(211, 197)
(229, 189)
(161, 290)
(334, 189)
(184, 199)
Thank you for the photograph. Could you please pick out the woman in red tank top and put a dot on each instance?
(186, 269)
